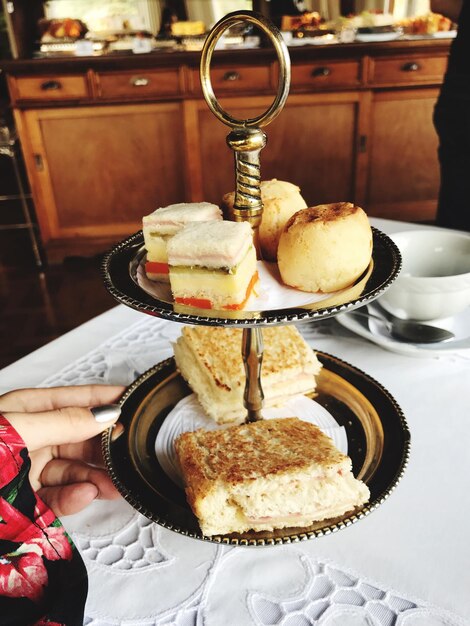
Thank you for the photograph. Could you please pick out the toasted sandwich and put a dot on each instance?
(162, 224)
(265, 475)
(210, 360)
(213, 265)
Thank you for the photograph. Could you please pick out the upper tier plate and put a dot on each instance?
(124, 277)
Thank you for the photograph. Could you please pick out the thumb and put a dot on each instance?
(66, 425)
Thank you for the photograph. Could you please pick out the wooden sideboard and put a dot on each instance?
(109, 139)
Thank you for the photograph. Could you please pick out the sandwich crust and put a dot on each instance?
(250, 451)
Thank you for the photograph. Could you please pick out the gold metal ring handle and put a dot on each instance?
(284, 68)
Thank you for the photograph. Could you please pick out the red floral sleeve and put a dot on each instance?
(42, 576)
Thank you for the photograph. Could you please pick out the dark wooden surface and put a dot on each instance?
(37, 307)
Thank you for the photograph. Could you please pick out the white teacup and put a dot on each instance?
(434, 282)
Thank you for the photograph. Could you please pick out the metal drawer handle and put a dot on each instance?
(411, 67)
(231, 76)
(139, 81)
(321, 71)
(51, 85)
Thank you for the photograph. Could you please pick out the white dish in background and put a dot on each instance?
(459, 325)
(376, 37)
(445, 34)
(434, 282)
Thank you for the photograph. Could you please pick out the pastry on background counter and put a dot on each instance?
(264, 475)
(213, 265)
(325, 248)
(210, 360)
(165, 222)
(280, 201)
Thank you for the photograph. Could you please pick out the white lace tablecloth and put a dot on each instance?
(405, 564)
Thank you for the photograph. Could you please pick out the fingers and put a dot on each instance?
(68, 499)
(88, 451)
(60, 426)
(62, 472)
(50, 398)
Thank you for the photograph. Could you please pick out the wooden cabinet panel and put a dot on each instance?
(403, 172)
(326, 74)
(102, 168)
(412, 69)
(233, 79)
(311, 144)
(356, 128)
(147, 83)
(53, 87)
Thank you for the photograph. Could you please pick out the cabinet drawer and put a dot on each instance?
(326, 74)
(236, 79)
(137, 84)
(409, 69)
(51, 87)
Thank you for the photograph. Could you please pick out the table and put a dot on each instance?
(405, 564)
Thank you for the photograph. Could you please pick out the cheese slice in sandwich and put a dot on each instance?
(265, 475)
(162, 224)
(210, 360)
(213, 265)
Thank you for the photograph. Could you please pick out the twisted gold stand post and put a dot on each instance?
(247, 140)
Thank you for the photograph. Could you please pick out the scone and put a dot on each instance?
(325, 248)
(280, 201)
(266, 475)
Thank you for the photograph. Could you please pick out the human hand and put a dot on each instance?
(61, 434)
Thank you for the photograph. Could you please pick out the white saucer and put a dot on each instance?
(459, 325)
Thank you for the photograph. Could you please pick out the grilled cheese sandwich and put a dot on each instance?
(266, 475)
(210, 360)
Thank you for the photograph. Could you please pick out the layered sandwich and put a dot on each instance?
(213, 265)
(266, 475)
(162, 224)
(210, 360)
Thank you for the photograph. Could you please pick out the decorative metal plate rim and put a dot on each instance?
(288, 539)
(299, 314)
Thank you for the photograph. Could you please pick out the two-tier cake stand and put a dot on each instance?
(378, 437)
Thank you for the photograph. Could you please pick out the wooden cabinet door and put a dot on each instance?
(96, 171)
(311, 143)
(403, 176)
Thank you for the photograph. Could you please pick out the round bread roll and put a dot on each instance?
(325, 248)
(280, 201)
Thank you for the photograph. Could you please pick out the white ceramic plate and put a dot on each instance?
(459, 325)
(376, 37)
(445, 34)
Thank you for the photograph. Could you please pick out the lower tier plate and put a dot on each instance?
(378, 444)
